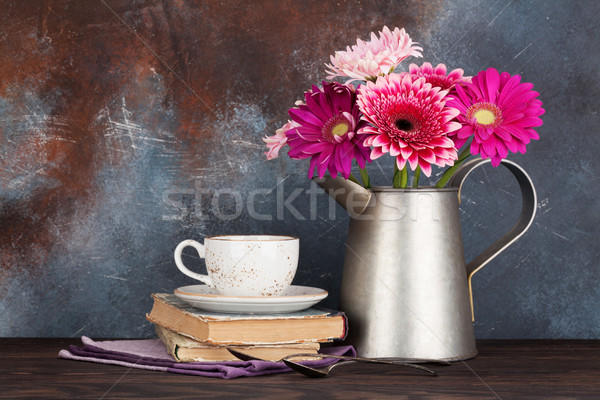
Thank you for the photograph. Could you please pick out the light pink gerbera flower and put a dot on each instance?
(499, 112)
(278, 140)
(380, 56)
(437, 76)
(410, 121)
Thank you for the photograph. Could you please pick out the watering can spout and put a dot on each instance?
(353, 197)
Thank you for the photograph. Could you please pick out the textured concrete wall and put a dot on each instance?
(121, 123)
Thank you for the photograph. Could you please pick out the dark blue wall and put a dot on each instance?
(121, 122)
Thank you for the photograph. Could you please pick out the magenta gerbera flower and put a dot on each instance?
(410, 121)
(326, 130)
(499, 112)
(380, 56)
(437, 76)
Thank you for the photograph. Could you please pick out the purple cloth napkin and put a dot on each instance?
(151, 354)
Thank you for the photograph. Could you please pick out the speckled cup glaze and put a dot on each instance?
(245, 265)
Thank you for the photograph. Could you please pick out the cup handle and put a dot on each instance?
(528, 209)
(201, 252)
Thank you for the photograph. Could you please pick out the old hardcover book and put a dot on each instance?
(311, 325)
(184, 349)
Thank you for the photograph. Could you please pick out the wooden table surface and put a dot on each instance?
(540, 369)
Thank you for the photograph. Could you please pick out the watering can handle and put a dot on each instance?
(528, 209)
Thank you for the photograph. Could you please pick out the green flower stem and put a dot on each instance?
(404, 178)
(400, 177)
(450, 171)
(364, 175)
(396, 181)
(353, 179)
(415, 183)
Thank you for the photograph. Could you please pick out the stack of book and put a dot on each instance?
(191, 334)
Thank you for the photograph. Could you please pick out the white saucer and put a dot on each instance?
(294, 298)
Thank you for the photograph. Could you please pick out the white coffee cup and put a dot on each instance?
(245, 265)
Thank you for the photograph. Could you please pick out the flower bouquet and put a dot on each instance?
(422, 117)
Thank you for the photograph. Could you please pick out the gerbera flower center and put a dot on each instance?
(336, 126)
(486, 114)
(407, 123)
(404, 124)
(340, 129)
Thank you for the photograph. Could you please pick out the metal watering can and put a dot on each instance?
(406, 288)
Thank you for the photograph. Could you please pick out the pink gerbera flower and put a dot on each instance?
(278, 140)
(410, 121)
(437, 76)
(499, 112)
(325, 131)
(380, 56)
